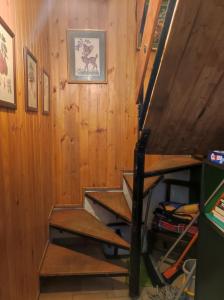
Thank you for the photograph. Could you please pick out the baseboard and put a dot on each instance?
(102, 189)
(69, 206)
(127, 171)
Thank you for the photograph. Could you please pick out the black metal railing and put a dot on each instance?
(159, 54)
(139, 168)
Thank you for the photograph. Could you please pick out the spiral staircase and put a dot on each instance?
(90, 223)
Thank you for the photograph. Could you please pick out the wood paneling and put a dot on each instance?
(185, 114)
(140, 4)
(25, 162)
(95, 124)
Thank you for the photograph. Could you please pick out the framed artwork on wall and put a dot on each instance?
(7, 67)
(86, 56)
(160, 24)
(31, 81)
(46, 93)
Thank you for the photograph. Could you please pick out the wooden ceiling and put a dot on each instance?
(187, 106)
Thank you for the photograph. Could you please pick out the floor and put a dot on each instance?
(92, 288)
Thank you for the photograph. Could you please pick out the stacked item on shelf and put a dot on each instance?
(218, 210)
(214, 207)
(170, 220)
(174, 217)
(216, 157)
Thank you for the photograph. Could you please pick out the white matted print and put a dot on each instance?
(31, 81)
(7, 66)
(86, 56)
(46, 93)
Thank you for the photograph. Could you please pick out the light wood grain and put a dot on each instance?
(113, 201)
(147, 40)
(185, 115)
(81, 222)
(173, 162)
(148, 182)
(25, 161)
(95, 125)
(60, 261)
(140, 4)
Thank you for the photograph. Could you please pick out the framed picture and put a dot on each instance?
(160, 24)
(31, 81)
(86, 56)
(46, 93)
(7, 67)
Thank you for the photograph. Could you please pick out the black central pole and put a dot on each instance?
(137, 204)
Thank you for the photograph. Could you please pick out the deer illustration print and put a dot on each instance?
(87, 49)
(87, 57)
(3, 56)
(90, 61)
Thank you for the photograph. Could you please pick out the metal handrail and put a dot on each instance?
(158, 58)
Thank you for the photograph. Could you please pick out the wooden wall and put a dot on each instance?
(94, 124)
(25, 162)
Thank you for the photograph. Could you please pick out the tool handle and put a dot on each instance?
(186, 250)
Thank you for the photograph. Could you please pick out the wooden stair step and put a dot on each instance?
(174, 162)
(113, 201)
(148, 182)
(60, 261)
(81, 222)
(164, 165)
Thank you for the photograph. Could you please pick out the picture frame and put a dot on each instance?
(160, 24)
(87, 59)
(7, 67)
(46, 93)
(31, 81)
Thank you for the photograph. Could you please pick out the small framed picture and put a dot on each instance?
(160, 24)
(31, 81)
(46, 93)
(7, 67)
(86, 56)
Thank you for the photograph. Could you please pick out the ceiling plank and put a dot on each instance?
(184, 114)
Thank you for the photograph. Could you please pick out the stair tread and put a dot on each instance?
(164, 164)
(148, 182)
(60, 261)
(81, 222)
(173, 162)
(113, 201)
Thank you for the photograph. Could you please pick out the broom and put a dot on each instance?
(172, 272)
(158, 279)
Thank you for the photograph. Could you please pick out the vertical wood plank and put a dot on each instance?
(25, 161)
(94, 140)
